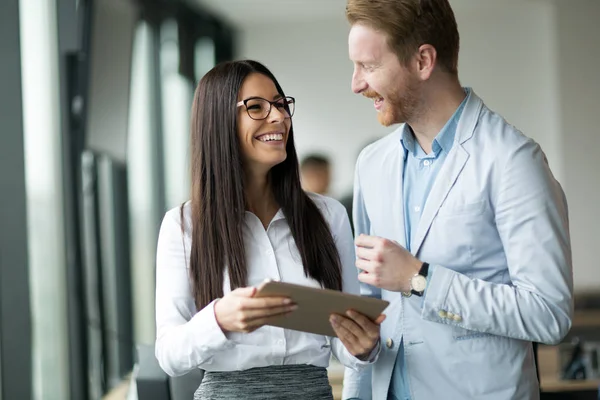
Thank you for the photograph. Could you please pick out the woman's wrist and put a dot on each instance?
(369, 354)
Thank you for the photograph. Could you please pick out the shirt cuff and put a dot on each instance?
(204, 323)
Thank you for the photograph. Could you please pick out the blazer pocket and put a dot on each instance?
(455, 210)
(459, 333)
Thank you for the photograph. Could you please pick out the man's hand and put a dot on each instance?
(385, 264)
(357, 332)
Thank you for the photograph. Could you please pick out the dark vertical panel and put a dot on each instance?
(73, 39)
(115, 274)
(15, 312)
(92, 278)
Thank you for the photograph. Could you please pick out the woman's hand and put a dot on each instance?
(357, 332)
(239, 311)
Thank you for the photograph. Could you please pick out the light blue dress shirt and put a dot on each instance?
(420, 171)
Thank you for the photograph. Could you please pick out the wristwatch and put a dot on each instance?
(418, 282)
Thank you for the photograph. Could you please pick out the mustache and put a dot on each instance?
(371, 94)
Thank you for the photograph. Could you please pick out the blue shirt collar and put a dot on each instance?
(444, 140)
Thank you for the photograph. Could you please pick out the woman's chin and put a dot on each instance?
(280, 159)
(272, 160)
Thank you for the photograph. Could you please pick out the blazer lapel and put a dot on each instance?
(398, 199)
(451, 169)
(445, 180)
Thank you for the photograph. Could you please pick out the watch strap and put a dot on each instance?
(424, 269)
(423, 272)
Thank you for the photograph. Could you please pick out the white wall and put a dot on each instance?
(579, 61)
(509, 55)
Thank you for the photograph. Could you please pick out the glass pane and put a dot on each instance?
(43, 154)
(177, 95)
(204, 57)
(143, 183)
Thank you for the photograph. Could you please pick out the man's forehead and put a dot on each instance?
(365, 43)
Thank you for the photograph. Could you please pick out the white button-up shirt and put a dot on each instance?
(188, 338)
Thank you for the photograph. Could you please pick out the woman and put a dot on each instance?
(249, 220)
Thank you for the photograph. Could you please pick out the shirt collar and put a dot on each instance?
(279, 215)
(444, 139)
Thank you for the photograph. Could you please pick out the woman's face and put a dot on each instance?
(263, 139)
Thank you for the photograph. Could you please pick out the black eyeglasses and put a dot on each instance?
(259, 108)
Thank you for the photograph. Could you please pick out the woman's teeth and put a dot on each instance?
(271, 137)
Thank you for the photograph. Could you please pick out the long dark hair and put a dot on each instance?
(218, 199)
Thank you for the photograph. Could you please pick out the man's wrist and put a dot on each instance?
(417, 282)
(414, 266)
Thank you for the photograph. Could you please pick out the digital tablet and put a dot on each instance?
(316, 305)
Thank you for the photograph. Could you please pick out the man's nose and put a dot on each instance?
(358, 83)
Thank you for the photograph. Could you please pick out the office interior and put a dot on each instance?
(94, 126)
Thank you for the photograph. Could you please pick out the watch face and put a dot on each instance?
(418, 283)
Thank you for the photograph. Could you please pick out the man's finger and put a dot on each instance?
(367, 253)
(365, 265)
(367, 241)
(367, 278)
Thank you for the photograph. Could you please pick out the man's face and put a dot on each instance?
(379, 75)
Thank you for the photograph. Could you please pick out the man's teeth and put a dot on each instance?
(270, 137)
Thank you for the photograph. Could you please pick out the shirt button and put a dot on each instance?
(269, 252)
(280, 342)
(417, 208)
(457, 317)
(389, 343)
(427, 163)
(442, 313)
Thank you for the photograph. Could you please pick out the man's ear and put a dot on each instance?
(425, 61)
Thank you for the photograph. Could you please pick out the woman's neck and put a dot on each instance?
(259, 197)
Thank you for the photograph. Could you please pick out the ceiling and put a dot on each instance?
(250, 12)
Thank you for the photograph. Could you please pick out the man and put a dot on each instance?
(315, 173)
(459, 221)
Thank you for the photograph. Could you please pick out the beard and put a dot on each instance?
(401, 105)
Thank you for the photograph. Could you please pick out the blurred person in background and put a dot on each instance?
(315, 173)
(249, 220)
(460, 223)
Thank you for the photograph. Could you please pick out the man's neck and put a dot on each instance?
(441, 100)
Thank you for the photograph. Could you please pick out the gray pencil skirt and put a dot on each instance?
(279, 382)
